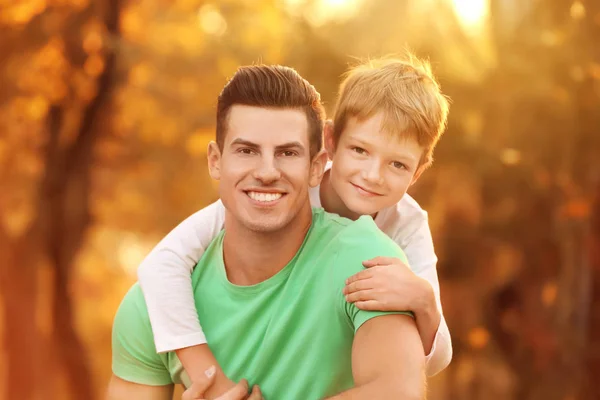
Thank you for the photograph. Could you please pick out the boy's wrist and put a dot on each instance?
(426, 305)
(427, 316)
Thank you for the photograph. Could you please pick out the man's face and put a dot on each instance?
(265, 167)
(372, 169)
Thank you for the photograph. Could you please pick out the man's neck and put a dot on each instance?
(252, 257)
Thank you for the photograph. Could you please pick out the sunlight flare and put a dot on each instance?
(471, 12)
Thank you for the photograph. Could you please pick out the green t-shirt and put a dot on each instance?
(291, 334)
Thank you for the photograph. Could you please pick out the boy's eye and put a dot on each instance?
(289, 153)
(398, 165)
(359, 150)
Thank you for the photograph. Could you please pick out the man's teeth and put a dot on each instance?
(264, 197)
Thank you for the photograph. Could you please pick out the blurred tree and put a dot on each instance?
(56, 227)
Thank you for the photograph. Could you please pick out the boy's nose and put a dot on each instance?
(372, 174)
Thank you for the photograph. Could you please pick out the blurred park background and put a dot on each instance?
(107, 106)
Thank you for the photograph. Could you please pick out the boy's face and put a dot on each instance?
(265, 168)
(372, 169)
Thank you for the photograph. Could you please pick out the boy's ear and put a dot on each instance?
(417, 174)
(329, 140)
(214, 161)
(317, 168)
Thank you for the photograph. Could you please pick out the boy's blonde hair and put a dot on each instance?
(407, 93)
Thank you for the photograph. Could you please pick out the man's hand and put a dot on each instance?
(389, 285)
(238, 392)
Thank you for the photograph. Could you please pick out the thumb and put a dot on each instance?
(239, 391)
(373, 262)
(196, 391)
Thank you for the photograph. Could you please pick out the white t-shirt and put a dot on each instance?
(165, 274)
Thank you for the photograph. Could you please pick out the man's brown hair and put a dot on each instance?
(407, 93)
(272, 86)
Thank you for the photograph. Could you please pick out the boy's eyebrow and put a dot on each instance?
(360, 141)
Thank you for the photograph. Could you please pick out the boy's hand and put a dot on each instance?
(238, 392)
(388, 285)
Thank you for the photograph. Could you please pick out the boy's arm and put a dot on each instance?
(390, 284)
(422, 259)
(383, 366)
(165, 278)
(430, 318)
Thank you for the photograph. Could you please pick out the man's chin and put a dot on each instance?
(262, 226)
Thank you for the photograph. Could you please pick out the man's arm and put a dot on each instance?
(388, 361)
(119, 389)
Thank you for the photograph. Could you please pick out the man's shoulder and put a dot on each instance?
(134, 356)
(335, 227)
(359, 238)
(133, 308)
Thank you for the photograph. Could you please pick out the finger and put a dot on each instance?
(256, 393)
(380, 260)
(364, 274)
(198, 388)
(370, 305)
(238, 392)
(362, 295)
(362, 284)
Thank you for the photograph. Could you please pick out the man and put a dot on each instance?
(268, 290)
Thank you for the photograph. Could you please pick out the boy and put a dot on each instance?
(388, 118)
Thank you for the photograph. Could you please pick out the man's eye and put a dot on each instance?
(359, 150)
(289, 153)
(245, 150)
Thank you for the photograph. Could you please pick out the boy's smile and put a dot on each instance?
(365, 192)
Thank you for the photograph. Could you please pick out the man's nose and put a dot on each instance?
(267, 171)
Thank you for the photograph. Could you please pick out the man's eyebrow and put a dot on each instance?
(290, 145)
(244, 142)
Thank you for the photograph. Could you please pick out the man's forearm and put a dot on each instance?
(119, 389)
(382, 388)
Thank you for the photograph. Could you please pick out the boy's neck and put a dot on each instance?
(331, 201)
(252, 257)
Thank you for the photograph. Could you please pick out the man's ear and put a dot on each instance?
(317, 168)
(214, 161)
(329, 140)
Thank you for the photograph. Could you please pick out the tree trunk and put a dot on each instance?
(69, 214)
(21, 336)
(18, 286)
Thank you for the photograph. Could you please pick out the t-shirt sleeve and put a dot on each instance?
(361, 241)
(165, 277)
(134, 358)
